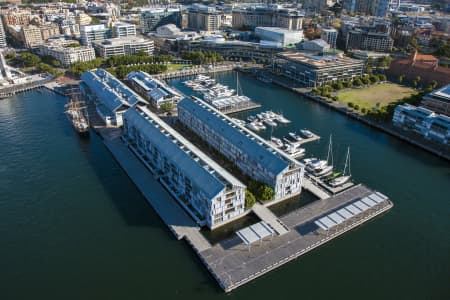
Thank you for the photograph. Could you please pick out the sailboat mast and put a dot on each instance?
(347, 161)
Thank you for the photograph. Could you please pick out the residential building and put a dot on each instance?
(377, 8)
(157, 92)
(423, 121)
(236, 50)
(82, 19)
(329, 35)
(3, 43)
(152, 19)
(111, 97)
(315, 6)
(313, 70)
(203, 18)
(253, 155)
(123, 46)
(366, 40)
(121, 29)
(438, 100)
(317, 45)
(365, 55)
(95, 32)
(210, 194)
(420, 65)
(30, 36)
(279, 35)
(266, 16)
(16, 17)
(67, 55)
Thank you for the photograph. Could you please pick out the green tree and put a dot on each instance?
(166, 106)
(357, 82)
(261, 190)
(30, 60)
(350, 104)
(250, 199)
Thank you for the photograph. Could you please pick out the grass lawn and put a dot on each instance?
(176, 67)
(381, 93)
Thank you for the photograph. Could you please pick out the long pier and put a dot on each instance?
(19, 88)
(195, 71)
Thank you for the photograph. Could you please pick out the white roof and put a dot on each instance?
(255, 232)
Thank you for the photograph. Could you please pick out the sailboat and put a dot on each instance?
(76, 111)
(338, 181)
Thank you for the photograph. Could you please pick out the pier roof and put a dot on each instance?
(198, 167)
(251, 147)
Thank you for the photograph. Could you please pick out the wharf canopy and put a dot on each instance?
(251, 154)
(210, 194)
(153, 89)
(112, 97)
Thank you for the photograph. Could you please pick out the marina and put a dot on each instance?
(220, 96)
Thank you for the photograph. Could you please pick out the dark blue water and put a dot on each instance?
(73, 226)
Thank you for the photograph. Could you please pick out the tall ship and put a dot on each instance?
(76, 112)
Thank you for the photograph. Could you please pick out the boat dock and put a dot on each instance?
(195, 71)
(314, 137)
(36, 81)
(232, 263)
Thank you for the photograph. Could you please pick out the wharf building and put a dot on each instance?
(67, 55)
(204, 189)
(314, 71)
(262, 52)
(267, 16)
(111, 97)
(203, 18)
(438, 101)
(123, 46)
(424, 122)
(254, 156)
(152, 89)
(279, 35)
(3, 43)
(153, 18)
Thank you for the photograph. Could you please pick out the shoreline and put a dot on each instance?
(365, 120)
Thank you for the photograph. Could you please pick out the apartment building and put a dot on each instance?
(254, 156)
(203, 18)
(210, 194)
(438, 100)
(122, 29)
(157, 92)
(67, 55)
(123, 46)
(267, 16)
(95, 32)
(153, 18)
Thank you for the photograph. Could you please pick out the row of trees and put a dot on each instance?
(79, 68)
(325, 90)
(122, 71)
(139, 58)
(44, 64)
(202, 57)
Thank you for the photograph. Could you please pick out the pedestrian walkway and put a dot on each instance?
(267, 216)
(162, 202)
(314, 189)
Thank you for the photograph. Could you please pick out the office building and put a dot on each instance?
(203, 18)
(210, 194)
(123, 46)
(315, 6)
(152, 19)
(157, 92)
(438, 100)
(317, 46)
(96, 32)
(312, 70)
(262, 52)
(254, 156)
(111, 97)
(366, 40)
(279, 35)
(423, 121)
(329, 35)
(67, 55)
(267, 16)
(121, 29)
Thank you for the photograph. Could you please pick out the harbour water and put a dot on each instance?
(73, 225)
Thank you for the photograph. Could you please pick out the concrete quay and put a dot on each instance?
(233, 264)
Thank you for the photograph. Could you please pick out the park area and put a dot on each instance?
(375, 96)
